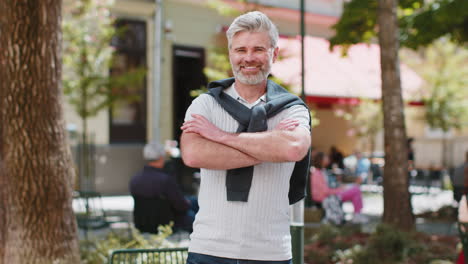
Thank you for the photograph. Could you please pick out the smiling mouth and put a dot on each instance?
(250, 68)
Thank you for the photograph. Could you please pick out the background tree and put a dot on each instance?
(397, 205)
(443, 65)
(37, 224)
(88, 29)
(414, 23)
(420, 22)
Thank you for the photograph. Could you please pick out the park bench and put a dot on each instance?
(149, 256)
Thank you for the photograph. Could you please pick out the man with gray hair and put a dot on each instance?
(157, 197)
(251, 139)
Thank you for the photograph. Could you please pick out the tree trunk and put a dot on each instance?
(397, 199)
(37, 224)
(2, 178)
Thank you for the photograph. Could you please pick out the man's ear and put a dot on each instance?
(275, 53)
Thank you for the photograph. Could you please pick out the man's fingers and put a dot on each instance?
(199, 117)
(196, 120)
(289, 120)
(187, 124)
(287, 124)
(189, 129)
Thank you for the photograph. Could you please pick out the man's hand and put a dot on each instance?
(287, 124)
(200, 125)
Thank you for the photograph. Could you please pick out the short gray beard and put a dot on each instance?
(252, 79)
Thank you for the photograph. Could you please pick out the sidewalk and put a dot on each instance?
(423, 200)
(431, 200)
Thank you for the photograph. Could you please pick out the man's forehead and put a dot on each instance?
(250, 45)
(251, 39)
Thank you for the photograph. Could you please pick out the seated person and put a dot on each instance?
(320, 189)
(158, 199)
(359, 166)
(362, 168)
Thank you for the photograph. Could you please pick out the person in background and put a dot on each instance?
(336, 158)
(459, 179)
(463, 206)
(320, 189)
(409, 145)
(358, 166)
(158, 199)
(362, 168)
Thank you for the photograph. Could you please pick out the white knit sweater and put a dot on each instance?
(257, 229)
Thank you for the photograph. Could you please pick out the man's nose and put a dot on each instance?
(249, 56)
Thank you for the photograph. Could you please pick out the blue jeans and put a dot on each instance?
(196, 258)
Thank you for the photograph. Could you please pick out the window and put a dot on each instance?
(128, 117)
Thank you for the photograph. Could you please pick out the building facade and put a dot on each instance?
(172, 39)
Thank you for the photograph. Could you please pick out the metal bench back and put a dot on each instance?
(149, 256)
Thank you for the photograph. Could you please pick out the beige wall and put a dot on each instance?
(98, 126)
(332, 130)
(429, 145)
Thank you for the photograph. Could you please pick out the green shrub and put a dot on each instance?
(388, 244)
(333, 243)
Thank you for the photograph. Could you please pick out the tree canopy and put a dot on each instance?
(443, 67)
(420, 23)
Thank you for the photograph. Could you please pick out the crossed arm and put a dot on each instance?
(206, 146)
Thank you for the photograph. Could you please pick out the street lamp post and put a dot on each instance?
(302, 50)
(297, 232)
(297, 209)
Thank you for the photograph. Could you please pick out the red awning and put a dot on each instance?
(330, 75)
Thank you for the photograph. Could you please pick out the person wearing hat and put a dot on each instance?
(158, 199)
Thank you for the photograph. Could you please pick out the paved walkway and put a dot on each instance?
(423, 200)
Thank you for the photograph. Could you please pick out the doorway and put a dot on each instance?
(188, 64)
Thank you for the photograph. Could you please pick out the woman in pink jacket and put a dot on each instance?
(320, 190)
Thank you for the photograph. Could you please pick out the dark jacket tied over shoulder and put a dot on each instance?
(238, 181)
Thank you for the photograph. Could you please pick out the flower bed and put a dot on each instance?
(348, 244)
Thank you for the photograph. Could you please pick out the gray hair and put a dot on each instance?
(254, 21)
(153, 151)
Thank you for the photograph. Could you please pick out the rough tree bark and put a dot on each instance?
(397, 203)
(37, 224)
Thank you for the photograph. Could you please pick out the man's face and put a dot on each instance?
(251, 57)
